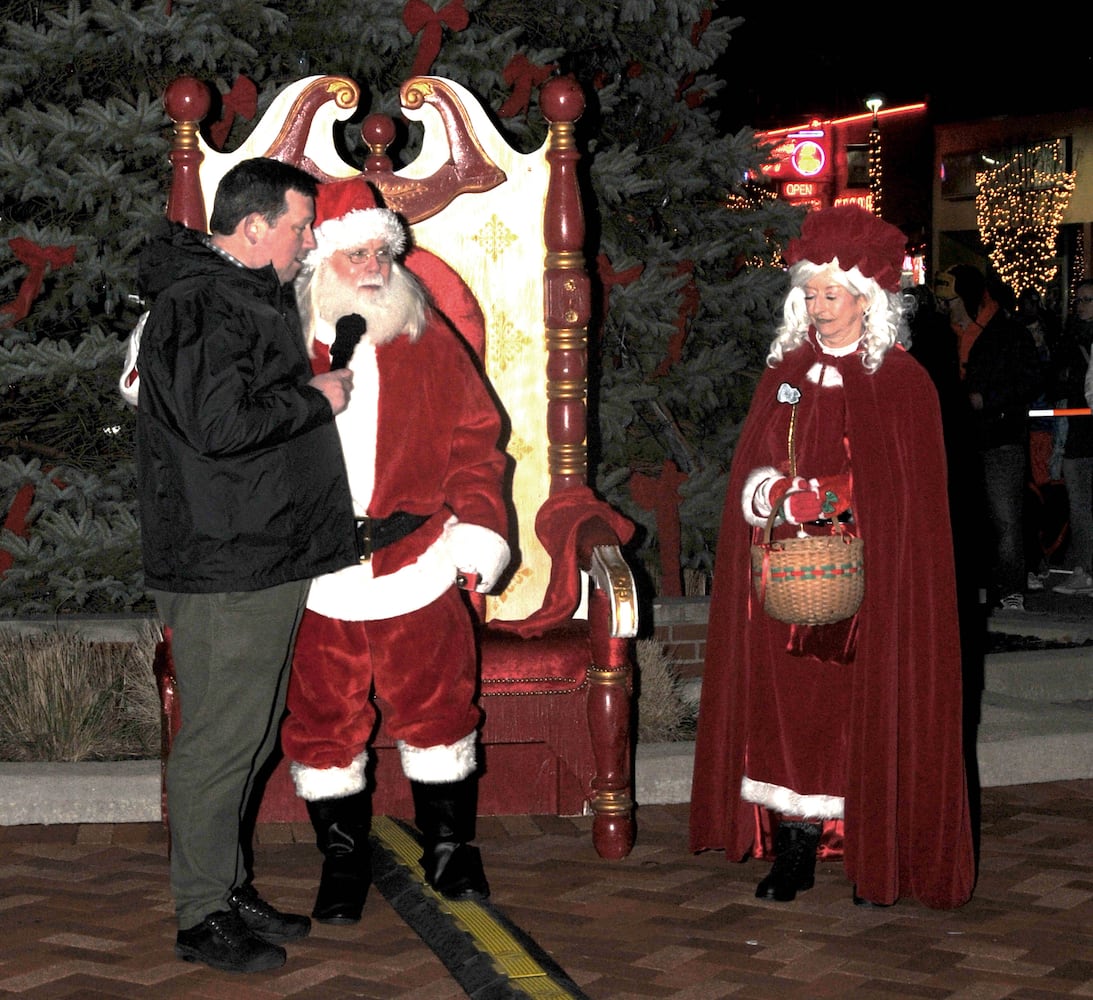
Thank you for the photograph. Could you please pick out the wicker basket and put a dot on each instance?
(814, 580)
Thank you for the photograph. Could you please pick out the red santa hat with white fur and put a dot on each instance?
(347, 214)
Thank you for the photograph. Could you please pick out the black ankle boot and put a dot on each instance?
(445, 815)
(341, 833)
(794, 868)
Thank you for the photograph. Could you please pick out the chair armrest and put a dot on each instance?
(609, 571)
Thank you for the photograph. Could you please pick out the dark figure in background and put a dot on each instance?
(840, 740)
(1071, 366)
(1003, 377)
(243, 499)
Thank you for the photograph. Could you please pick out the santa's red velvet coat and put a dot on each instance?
(884, 730)
(436, 453)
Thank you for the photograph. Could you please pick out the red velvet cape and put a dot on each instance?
(907, 829)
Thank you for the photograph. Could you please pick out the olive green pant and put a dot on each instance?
(232, 654)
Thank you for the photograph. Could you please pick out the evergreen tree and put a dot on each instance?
(680, 245)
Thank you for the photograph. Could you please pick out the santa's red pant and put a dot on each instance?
(422, 665)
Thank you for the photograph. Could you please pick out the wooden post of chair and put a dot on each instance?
(567, 301)
(567, 298)
(187, 102)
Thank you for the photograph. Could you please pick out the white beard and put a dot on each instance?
(398, 308)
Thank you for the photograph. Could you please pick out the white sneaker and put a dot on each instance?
(1080, 582)
(1012, 602)
(1034, 582)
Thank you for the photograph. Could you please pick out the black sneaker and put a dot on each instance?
(269, 924)
(223, 941)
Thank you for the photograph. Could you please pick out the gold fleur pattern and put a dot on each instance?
(508, 345)
(494, 238)
(519, 448)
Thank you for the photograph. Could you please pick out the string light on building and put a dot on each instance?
(875, 180)
(1020, 205)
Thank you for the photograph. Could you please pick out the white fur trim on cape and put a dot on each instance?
(755, 496)
(314, 783)
(825, 375)
(441, 764)
(790, 803)
(355, 228)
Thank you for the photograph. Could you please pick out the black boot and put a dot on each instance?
(794, 868)
(341, 833)
(445, 815)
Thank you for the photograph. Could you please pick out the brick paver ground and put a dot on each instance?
(85, 913)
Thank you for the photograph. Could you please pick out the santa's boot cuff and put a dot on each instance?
(314, 783)
(442, 763)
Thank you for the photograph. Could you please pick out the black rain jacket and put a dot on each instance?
(241, 480)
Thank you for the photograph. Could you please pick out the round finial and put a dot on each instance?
(186, 99)
(378, 131)
(562, 99)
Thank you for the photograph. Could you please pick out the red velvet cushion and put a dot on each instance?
(555, 662)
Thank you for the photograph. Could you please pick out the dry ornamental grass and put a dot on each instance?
(65, 698)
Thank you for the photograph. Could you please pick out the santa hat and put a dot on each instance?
(848, 236)
(347, 215)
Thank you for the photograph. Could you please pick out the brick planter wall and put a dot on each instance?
(679, 624)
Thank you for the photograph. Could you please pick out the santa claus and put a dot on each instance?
(420, 439)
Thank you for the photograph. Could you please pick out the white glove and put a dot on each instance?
(760, 483)
(477, 551)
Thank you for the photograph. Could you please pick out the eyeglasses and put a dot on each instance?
(1085, 299)
(362, 256)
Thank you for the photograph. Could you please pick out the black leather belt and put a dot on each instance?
(375, 533)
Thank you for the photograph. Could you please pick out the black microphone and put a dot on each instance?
(347, 333)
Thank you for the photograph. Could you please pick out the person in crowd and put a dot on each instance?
(243, 499)
(843, 740)
(421, 443)
(1003, 377)
(1071, 366)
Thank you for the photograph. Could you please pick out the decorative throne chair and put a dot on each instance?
(498, 238)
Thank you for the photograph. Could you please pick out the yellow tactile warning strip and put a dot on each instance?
(456, 929)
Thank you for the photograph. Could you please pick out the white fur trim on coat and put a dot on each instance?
(314, 783)
(441, 764)
(790, 803)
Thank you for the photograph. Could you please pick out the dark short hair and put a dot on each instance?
(257, 185)
(969, 284)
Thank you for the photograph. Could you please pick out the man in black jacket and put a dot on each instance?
(243, 499)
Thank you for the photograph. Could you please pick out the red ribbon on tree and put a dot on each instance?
(609, 278)
(523, 76)
(661, 496)
(242, 101)
(37, 258)
(418, 16)
(688, 309)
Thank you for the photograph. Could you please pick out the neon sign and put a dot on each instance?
(809, 158)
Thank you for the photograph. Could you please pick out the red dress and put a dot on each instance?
(866, 714)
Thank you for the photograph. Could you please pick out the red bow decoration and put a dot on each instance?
(418, 16)
(609, 277)
(688, 309)
(37, 259)
(522, 75)
(241, 100)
